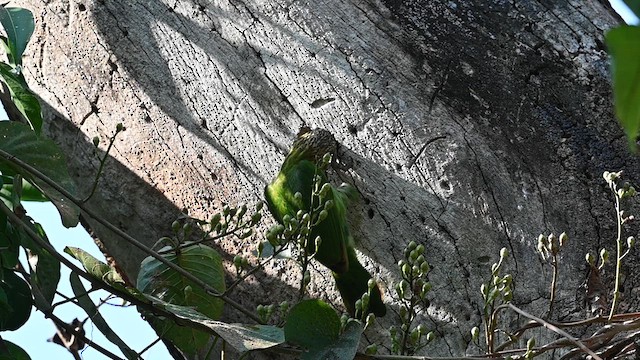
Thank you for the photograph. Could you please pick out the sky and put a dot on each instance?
(125, 321)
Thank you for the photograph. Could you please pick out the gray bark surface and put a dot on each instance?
(466, 126)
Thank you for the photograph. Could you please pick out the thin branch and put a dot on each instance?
(555, 329)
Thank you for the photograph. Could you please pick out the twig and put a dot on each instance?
(554, 329)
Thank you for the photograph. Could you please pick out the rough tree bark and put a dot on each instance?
(466, 126)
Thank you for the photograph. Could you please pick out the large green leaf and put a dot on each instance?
(344, 348)
(25, 100)
(44, 155)
(19, 299)
(634, 5)
(11, 351)
(95, 267)
(312, 324)
(624, 47)
(90, 308)
(18, 23)
(159, 280)
(241, 337)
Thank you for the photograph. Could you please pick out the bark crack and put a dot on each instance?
(489, 188)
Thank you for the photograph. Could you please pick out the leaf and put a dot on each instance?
(29, 193)
(157, 279)
(45, 268)
(92, 311)
(9, 243)
(25, 100)
(634, 5)
(95, 267)
(43, 154)
(19, 299)
(312, 324)
(624, 47)
(345, 348)
(241, 337)
(13, 352)
(18, 23)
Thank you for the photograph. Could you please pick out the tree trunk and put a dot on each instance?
(466, 126)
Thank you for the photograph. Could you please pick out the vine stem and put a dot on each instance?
(616, 291)
(210, 290)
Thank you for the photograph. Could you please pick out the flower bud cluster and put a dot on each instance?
(412, 292)
(549, 246)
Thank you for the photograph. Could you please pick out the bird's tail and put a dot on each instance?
(352, 284)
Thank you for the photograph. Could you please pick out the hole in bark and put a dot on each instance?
(81, 7)
(201, 8)
(366, 201)
(402, 198)
(445, 185)
(398, 167)
(199, 156)
(214, 177)
(370, 213)
(125, 32)
(113, 66)
(352, 129)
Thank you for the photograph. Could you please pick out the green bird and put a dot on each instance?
(336, 250)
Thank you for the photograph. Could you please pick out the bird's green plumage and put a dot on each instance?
(336, 249)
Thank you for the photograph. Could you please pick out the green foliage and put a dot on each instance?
(85, 302)
(19, 25)
(11, 351)
(44, 267)
(157, 279)
(624, 47)
(17, 140)
(634, 5)
(312, 324)
(15, 301)
(315, 326)
(95, 267)
(23, 98)
(242, 337)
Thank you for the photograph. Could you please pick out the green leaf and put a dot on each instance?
(19, 299)
(44, 267)
(95, 267)
(43, 154)
(25, 100)
(157, 279)
(312, 324)
(634, 5)
(29, 193)
(241, 337)
(345, 348)
(9, 243)
(90, 308)
(13, 352)
(624, 47)
(18, 23)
